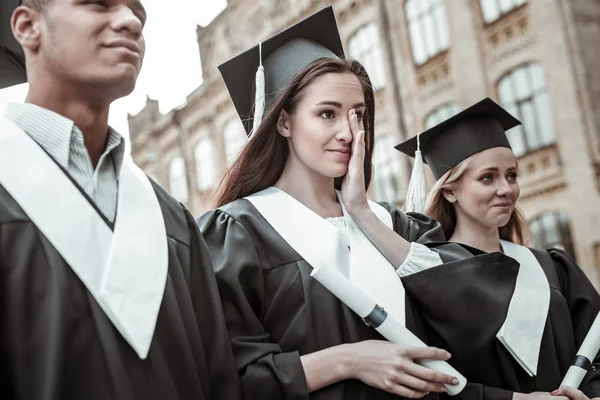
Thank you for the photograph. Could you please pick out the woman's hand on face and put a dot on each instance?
(392, 367)
(354, 193)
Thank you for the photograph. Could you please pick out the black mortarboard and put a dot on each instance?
(283, 56)
(12, 60)
(480, 127)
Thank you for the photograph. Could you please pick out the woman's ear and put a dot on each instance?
(283, 124)
(449, 195)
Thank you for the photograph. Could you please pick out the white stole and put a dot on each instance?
(322, 245)
(523, 328)
(125, 270)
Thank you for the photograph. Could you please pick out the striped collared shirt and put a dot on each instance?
(64, 142)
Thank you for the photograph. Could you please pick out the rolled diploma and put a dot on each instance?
(585, 357)
(392, 330)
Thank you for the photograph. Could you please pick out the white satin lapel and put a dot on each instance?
(311, 236)
(322, 245)
(137, 267)
(370, 270)
(126, 270)
(523, 328)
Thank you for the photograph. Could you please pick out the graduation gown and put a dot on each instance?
(276, 312)
(56, 343)
(465, 302)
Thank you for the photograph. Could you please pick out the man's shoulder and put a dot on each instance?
(177, 217)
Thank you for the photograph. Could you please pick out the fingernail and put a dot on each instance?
(444, 389)
(455, 381)
(448, 356)
(554, 392)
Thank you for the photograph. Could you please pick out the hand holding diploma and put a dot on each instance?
(367, 309)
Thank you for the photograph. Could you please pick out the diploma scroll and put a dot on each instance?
(366, 308)
(585, 357)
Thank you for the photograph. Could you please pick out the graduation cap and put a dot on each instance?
(480, 127)
(258, 75)
(12, 59)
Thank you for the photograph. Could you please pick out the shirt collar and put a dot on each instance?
(58, 135)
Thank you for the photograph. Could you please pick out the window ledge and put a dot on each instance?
(541, 171)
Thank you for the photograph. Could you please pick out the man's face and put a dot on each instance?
(93, 43)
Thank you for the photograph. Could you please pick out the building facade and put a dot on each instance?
(427, 59)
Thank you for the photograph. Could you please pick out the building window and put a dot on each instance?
(523, 93)
(365, 46)
(441, 114)
(234, 137)
(206, 171)
(494, 9)
(178, 179)
(427, 27)
(552, 230)
(385, 163)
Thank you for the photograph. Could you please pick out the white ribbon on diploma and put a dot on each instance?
(390, 328)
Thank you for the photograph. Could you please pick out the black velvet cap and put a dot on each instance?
(283, 56)
(480, 127)
(12, 59)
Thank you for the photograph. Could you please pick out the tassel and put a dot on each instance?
(259, 97)
(416, 194)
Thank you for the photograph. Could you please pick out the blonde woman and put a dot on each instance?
(513, 317)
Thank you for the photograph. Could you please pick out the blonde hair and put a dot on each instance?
(439, 208)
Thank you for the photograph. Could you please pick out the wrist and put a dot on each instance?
(360, 213)
(346, 364)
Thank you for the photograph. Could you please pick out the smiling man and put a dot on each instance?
(106, 287)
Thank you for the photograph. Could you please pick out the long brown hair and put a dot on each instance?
(261, 162)
(440, 209)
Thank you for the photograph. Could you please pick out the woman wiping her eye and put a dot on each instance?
(295, 200)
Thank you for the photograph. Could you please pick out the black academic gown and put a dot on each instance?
(276, 312)
(56, 343)
(464, 303)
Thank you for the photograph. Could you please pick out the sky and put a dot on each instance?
(171, 69)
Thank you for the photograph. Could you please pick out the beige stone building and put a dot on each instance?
(427, 59)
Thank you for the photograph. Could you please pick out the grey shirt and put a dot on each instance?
(64, 142)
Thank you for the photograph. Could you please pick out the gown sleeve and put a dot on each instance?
(463, 297)
(265, 370)
(224, 381)
(417, 229)
(584, 305)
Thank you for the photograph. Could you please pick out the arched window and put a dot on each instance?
(494, 9)
(385, 163)
(427, 27)
(205, 163)
(441, 114)
(178, 179)
(365, 46)
(234, 137)
(523, 93)
(552, 229)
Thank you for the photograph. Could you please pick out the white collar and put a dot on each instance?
(523, 328)
(320, 243)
